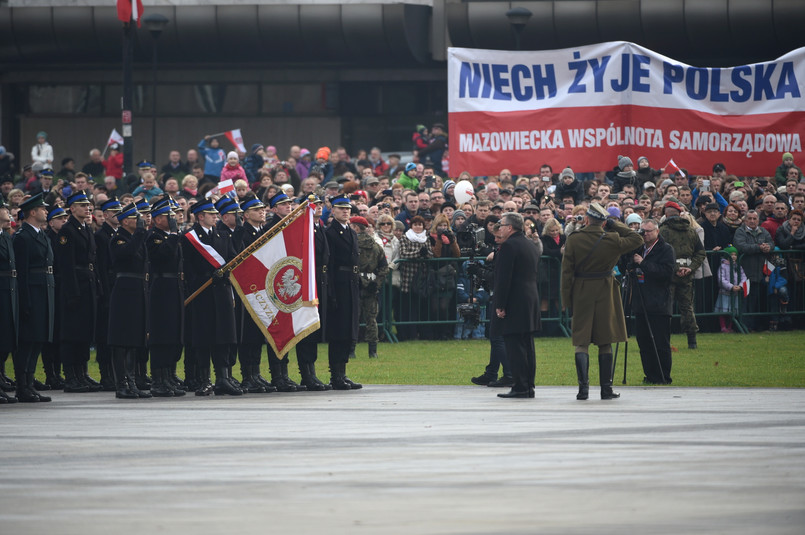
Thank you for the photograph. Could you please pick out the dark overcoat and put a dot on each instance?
(166, 289)
(36, 287)
(343, 304)
(653, 294)
(322, 251)
(588, 286)
(248, 331)
(75, 259)
(128, 304)
(516, 285)
(211, 313)
(9, 305)
(105, 278)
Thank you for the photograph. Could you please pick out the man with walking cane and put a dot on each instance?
(650, 273)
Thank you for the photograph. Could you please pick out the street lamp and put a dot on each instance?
(518, 17)
(154, 23)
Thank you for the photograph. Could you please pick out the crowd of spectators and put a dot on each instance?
(413, 213)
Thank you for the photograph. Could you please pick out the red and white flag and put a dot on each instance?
(225, 186)
(768, 267)
(277, 285)
(128, 10)
(114, 137)
(207, 251)
(235, 137)
(745, 286)
(672, 167)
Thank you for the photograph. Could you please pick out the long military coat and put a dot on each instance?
(35, 284)
(105, 278)
(9, 309)
(595, 298)
(343, 306)
(75, 258)
(166, 289)
(128, 305)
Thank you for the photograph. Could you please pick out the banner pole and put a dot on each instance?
(248, 251)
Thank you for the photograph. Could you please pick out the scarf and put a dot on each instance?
(416, 238)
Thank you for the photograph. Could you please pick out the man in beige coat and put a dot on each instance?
(592, 293)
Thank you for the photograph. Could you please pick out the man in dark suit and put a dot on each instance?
(166, 300)
(36, 290)
(307, 348)
(517, 303)
(106, 279)
(75, 257)
(128, 312)
(652, 271)
(212, 316)
(343, 303)
(9, 310)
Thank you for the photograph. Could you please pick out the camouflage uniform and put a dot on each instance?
(373, 268)
(689, 252)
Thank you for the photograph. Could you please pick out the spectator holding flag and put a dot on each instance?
(214, 158)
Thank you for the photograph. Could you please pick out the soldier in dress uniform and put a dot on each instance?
(166, 300)
(307, 347)
(281, 206)
(229, 214)
(343, 305)
(593, 294)
(212, 317)
(51, 355)
(106, 279)
(75, 259)
(9, 309)
(141, 365)
(128, 303)
(36, 292)
(250, 335)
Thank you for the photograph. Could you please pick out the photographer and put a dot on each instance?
(650, 273)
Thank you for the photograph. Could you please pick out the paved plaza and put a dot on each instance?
(408, 460)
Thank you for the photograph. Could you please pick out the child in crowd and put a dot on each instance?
(731, 277)
(777, 286)
(149, 188)
(645, 173)
(233, 170)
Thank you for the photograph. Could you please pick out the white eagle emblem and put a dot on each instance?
(290, 287)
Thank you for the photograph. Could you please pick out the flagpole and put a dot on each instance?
(248, 251)
(219, 134)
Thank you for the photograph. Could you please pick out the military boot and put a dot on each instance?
(287, 379)
(177, 383)
(31, 388)
(191, 375)
(277, 377)
(131, 372)
(250, 382)
(159, 385)
(262, 380)
(82, 372)
(205, 387)
(7, 384)
(338, 377)
(53, 378)
(583, 374)
(352, 384)
(107, 375)
(24, 394)
(309, 379)
(223, 386)
(372, 350)
(5, 399)
(141, 375)
(73, 382)
(605, 376)
(122, 390)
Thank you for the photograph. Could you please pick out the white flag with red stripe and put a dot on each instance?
(768, 267)
(671, 166)
(277, 285)
(114, 137)
(745, 287)
(235, 137)
(207, 251)
(225, 186)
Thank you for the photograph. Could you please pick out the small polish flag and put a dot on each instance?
(235, 137)
(114, 137)
(674, 167)
(745, 286)
(768, 267)
(225, 186)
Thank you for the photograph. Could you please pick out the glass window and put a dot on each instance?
(291, 99)
(65, 99)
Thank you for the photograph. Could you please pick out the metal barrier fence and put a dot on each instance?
(428, 309)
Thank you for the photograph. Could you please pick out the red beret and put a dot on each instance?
(672, 204)
(359, 220)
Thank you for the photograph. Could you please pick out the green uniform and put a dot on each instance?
(588, 286)
(689, 251)
(373, 268)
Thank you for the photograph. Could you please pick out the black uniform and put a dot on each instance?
(211, 313)
(128, 307)
(75, 258)
(343, 300)
(106, 279)
(307, 348)
(36, 290)
(9, 309)
(166, 307)
(51, 353)
(224, 230)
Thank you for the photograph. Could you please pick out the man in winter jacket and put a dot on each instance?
(753, 243)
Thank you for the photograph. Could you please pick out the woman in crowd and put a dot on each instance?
(414, 247)
(189, 187)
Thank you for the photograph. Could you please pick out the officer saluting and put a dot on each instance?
(166, 300)
(307, 347)
(593, 293)
(343, 304)
(75, 258)
(127, 304)
(36, 290)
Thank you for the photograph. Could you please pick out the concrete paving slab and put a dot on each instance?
(408, 459)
